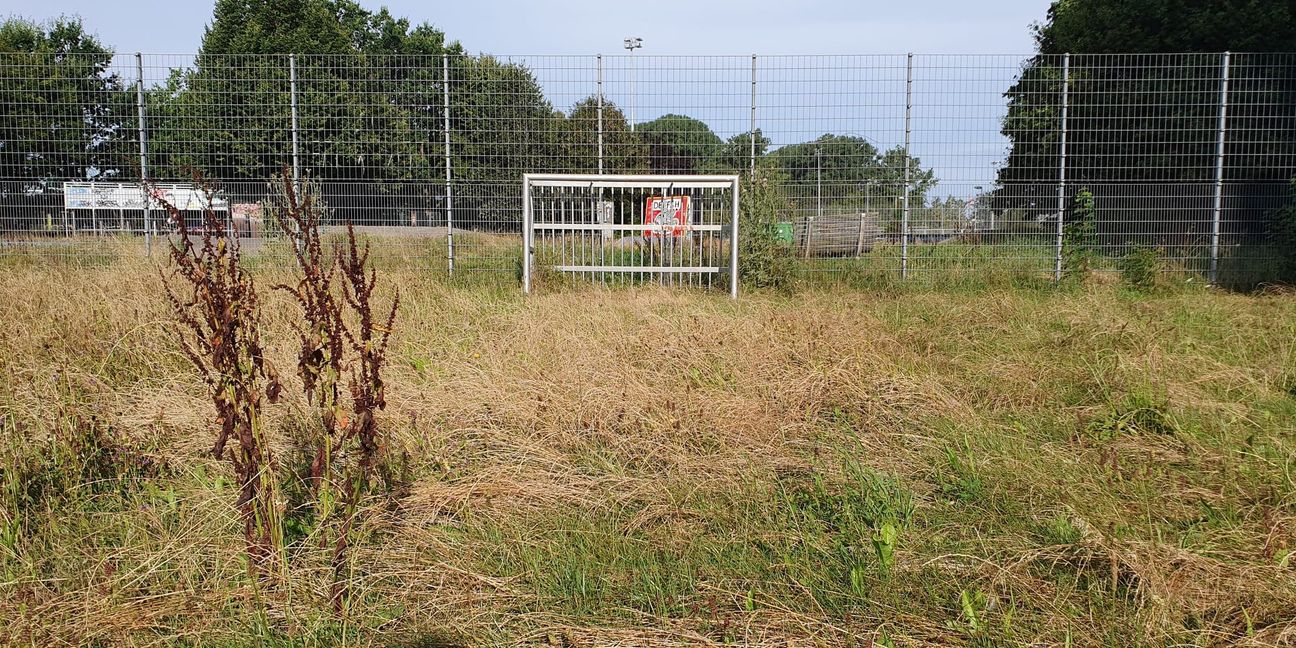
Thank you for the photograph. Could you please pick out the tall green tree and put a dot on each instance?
(1143, 102)
(501, 124)
(623, 151)
(679, 144)
(735, 154)
(64, 112)
(371, 108)
(850, 167)
(369, 93)
(1166, 26)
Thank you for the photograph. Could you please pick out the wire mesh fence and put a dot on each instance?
(908, 165)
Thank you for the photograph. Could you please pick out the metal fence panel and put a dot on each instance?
(923, 166)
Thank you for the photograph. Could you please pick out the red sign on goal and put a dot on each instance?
(667, 216)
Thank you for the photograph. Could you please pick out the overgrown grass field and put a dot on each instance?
(856, 466)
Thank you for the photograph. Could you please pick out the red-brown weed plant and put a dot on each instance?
(321, 334)
(218, 317)
(369, 339)
(339, 334)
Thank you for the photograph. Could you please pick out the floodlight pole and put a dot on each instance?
(600, 113)
(632, 44)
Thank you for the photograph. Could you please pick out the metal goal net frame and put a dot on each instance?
(665, 229)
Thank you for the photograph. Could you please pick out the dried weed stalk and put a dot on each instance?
(368, 340)
(339, 334)
(320, 334)
(215, 305)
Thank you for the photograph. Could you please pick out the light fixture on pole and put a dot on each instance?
(632, 44)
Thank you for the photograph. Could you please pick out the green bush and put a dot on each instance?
(1141, 268)
(1283, 233)
(763, 260)
(1138, 414)
(1079, 237)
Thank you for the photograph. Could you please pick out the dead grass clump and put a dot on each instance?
(1174, 593)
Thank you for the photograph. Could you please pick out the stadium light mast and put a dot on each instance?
(632, 44)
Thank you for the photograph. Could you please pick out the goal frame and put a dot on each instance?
(663, 183)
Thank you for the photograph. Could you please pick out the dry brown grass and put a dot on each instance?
(579, 431)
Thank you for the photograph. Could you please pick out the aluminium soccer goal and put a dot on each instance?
(673, 230)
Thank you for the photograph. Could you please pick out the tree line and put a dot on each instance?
(1141, 125)
(1144, 83)
(371, 108)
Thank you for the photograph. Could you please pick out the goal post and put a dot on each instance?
(678, 230)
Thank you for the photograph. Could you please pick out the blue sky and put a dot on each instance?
(589, 27)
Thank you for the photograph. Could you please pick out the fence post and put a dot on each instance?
(600, 114)
(752, 133)
(1219, 168)
(818, 184)
(449, 196)
(526, 234)
(859, 243)
(292, 93)
(143, 154)
(733, 241)
(1062, 165)
(904, 214)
